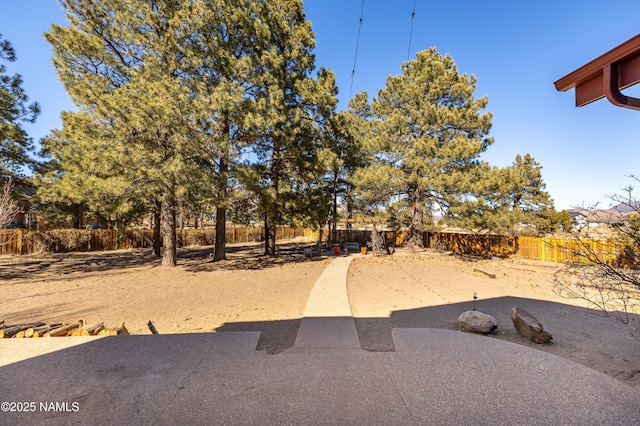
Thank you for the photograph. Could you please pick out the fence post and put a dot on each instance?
(19, 242)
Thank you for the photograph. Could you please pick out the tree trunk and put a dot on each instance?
(95, 328)
(266, 236)
(157, 241)
(63, 330)
(221, 234)
(334, 213)
(11, 331)
(272, 215)
(221, 211)
(169, 225)
(348, 201)
(416, 229)
(270, 235)
(269, 238)
(78, 216)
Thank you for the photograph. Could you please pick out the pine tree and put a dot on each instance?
(123, 63)
(349, 129)
(15, 109)
(291, 111)
(427, 132)
(346, 131)
(512, 200)
(90, 171)
(224, 84)
(527, 194)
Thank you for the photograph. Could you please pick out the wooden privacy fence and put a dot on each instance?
(560, 250)
(573, 251)
(240, 234)
(472, 244)
(362, 236)
(66, 240)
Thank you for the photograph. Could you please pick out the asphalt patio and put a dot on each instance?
(434, 376)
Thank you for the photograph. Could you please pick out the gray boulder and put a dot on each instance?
(528, 326)
(477, 322)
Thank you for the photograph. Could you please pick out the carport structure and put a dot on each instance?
(606, 76)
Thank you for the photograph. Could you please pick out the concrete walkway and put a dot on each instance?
(435, 377)
(327, 321)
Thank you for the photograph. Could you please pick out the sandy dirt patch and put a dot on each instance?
(246, 292)
(252, 292)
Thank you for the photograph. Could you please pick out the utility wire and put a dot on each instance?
(413, 14)
(355, 59)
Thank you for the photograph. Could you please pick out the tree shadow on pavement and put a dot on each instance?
(579, 334)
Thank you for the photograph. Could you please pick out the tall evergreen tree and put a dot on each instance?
(427, 132)
(223, 83)
(512, 199)
(349, 130)
(187, 87)
(291, 111)
(15, 109)
(90, 171)
(527, 194)
(123, 62)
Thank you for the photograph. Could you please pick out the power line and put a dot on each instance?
(413, 14)
(355, 58)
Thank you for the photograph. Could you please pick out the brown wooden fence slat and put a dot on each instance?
(19, 241)
(559, 250)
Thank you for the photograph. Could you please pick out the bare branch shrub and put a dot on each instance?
(609, 282)
(40, 241)
(59, 241)
(196, 237)
(608, 290)
(71, 239)
(9, 208)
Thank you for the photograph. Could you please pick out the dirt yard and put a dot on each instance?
(249, 291)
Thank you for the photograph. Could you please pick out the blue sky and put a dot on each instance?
(515, 49)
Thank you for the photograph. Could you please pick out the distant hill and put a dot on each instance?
(633, 206)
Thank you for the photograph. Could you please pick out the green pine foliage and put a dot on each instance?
(181, 100)
(513, 200)
(125, 65)
(90, 172)
(530, 202)
(15, 109)
(349, 130)
(206, 105)
(287, 142)
(426, 134)
(423, 135)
